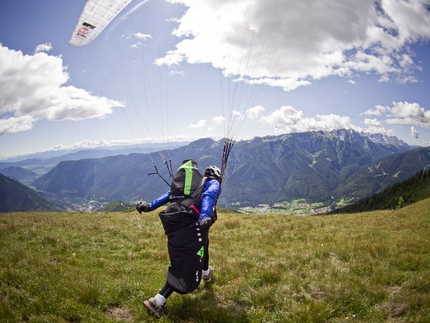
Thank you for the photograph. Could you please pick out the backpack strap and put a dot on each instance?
(196, 210)
(197, 195)
(191, 202)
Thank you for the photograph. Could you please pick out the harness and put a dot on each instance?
(186, 189)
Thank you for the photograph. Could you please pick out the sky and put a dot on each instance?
(179, 70)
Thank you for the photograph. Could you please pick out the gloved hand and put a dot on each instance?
(205, 223)
(214, 216)
(143, 207)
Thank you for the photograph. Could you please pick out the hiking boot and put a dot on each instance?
(153, 308)
(207, 278)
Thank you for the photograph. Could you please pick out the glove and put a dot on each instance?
(205, 223)
(214, 216)
(143, 207)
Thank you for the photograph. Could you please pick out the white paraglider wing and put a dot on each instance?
(95, 16)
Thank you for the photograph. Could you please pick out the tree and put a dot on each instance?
(400, 203)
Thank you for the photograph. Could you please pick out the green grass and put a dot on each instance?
(100, 267)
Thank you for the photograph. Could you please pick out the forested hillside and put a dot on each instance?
(15, 197)
(407, 192)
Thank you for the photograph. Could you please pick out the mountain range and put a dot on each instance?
(323, 169)
(314, 166)
(318, 167)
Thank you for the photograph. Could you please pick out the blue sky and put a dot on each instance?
(180, 70)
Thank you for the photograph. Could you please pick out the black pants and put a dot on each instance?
(167, 290)
(206, 258)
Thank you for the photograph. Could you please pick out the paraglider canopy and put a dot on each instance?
(95, 16)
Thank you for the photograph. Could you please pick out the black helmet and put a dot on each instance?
(213, 171)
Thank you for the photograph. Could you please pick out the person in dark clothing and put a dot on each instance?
(186, 222)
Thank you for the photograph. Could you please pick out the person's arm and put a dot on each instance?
(210, 194)
(145, 207)
(160, 201)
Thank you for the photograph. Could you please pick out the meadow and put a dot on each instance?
(100, 267)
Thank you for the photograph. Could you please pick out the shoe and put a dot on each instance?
(153, 308)
(207, 278)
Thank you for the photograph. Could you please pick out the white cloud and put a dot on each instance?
(405, 113)
(378, 111)
(288, 120)
(255, 113)
(375, 126)
(14, 124)
(136, 45)
(47, 47)
(218, 120)
(142, 36)
(289, 43)
(32, 88)
(410, 110)
(174, 72)
(373, 123)
(201, 124)
(171, 58)
(414, 132)
(90, 144)
(237, 115)
(383, 79)
(401, 113)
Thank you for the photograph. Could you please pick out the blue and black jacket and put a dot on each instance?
(187, 180)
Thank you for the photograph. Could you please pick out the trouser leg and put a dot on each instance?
(166, 291)
(206, 257)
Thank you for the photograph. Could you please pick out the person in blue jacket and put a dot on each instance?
(186, 222)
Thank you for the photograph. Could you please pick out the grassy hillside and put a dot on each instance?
(100, 267)
(118, 206)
